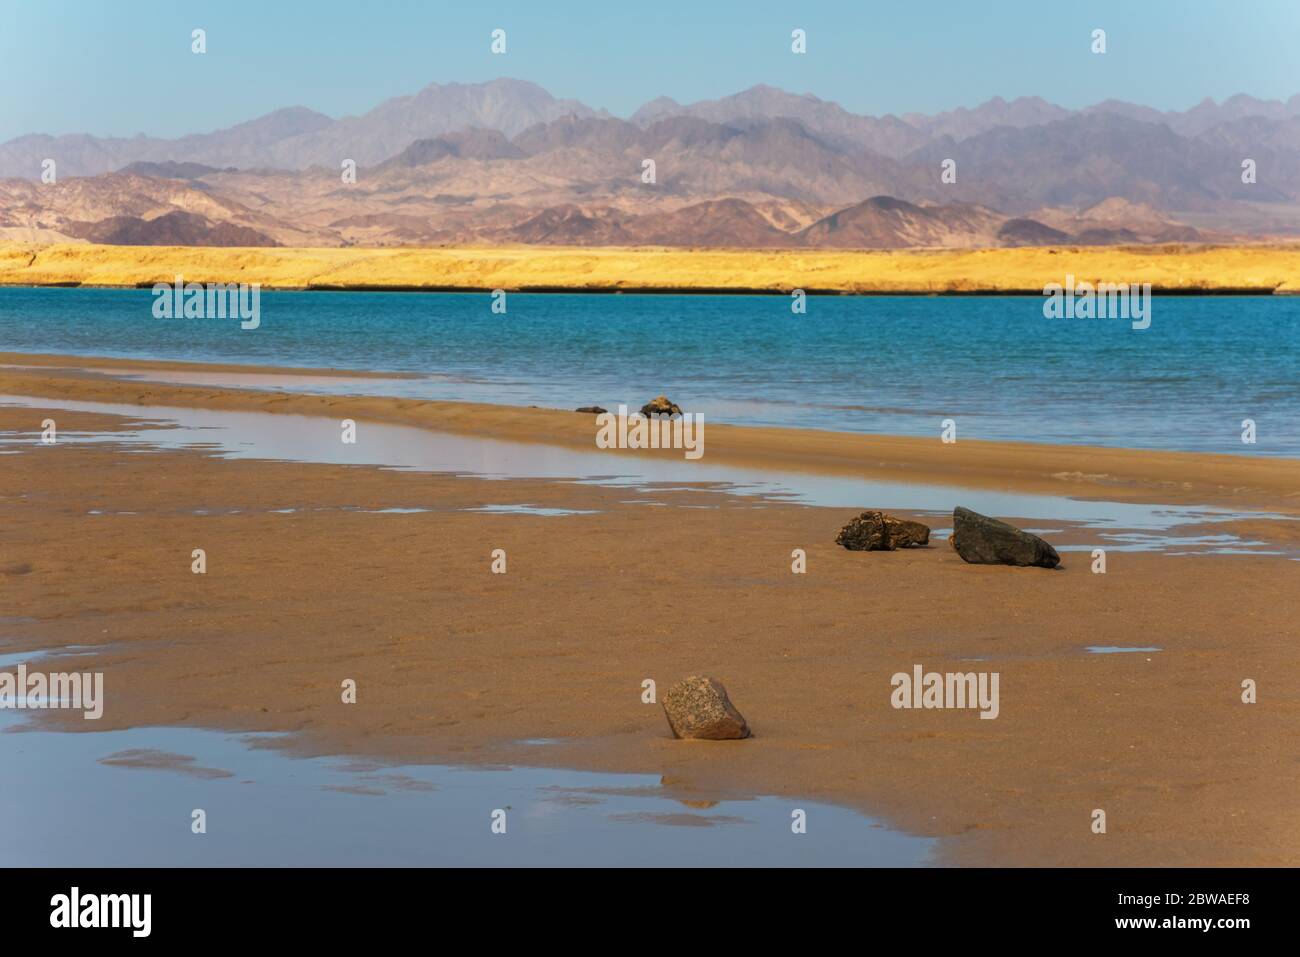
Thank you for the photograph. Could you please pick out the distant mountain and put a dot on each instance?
(888, 136)
(507, 106)
(505, 161)
(296, 137)
(1274, 145)
(961, 123)
(716, 224)
(570, 225)
(884, 222)
(1113, 220)
(584, 158)
(245, 145)
(260, 209)
(1029, 232)
(170, 229)
(602, 135)
(123, 208)
(1208, 114)
(170, 169)
(777, 157)
(248, 144)
(1084, 158)
(469, 144)
(713, 224)
(1204, 115)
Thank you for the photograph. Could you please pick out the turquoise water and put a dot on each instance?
(891, 365)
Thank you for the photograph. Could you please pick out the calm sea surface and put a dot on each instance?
(894, 365)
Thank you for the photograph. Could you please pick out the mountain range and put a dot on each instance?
(504, 161)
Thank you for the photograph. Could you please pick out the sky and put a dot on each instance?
(122, 67)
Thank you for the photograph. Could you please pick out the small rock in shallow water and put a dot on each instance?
(698, 707)
(594, 409)
(874, 531)
(660, 405)
(981, 540)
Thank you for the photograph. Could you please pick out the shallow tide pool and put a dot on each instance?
(1119, 526)
(127, 799)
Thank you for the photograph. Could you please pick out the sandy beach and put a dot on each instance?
(457, 665)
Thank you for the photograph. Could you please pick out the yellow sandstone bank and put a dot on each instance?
(1254, 269)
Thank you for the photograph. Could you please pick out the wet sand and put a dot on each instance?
(453, 663)
(1237, 481)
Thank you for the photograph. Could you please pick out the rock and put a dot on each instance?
(698, 707)
(874, 531)
(981, 540)
(594, 409)
(661, 406)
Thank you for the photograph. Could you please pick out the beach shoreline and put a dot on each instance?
(1136, 475)
(314, 577)
(311, 580)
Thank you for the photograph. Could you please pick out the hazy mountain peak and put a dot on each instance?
(825, 119)
(465, 144)
(965, 122)
(656, 107)
(767, 91)
(279, 124)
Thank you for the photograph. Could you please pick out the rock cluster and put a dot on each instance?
(978, 539)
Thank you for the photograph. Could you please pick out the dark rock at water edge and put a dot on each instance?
(981, 540)
(874, 531)
(698, 707)
(593, 409)
(661, 405)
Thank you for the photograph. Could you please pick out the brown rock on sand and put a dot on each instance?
(595, 409)
(874, 531)
(698, 707)
(660, 405)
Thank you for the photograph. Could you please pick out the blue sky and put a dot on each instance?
(121, 67)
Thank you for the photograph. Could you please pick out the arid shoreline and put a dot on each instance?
(457, 665)
(1264, 269)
